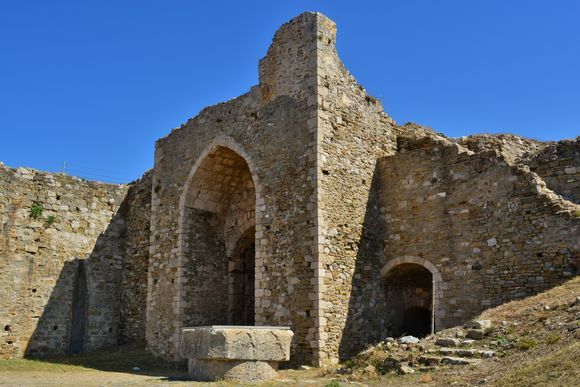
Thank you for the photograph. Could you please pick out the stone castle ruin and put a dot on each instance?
(301, 204)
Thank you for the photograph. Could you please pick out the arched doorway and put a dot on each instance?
(217, 233)
(409, 294)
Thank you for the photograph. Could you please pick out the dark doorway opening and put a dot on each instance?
(79, 310)
(417, 321)
(409, 294)
(242, 266)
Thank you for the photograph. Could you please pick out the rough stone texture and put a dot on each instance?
(268, 134)
(237, 343)
(247, 354)
(558, 164)
(513, 148)
(136, 261)
(300, 204)
(40, 259)
(236, 370)
(488, 231)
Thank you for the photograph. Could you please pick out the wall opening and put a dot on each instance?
(79, 310)
(409, 294)
(216, 283)
(242, 266)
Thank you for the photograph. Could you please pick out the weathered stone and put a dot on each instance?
(458, 361)
(475, 334)
(408, 340)
(239, 370)
(246, 354)
(481, 324)
(447, 342)
(404, 369)
(299, 203)
(237, 343)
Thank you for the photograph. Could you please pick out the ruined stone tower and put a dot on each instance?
(300, 204)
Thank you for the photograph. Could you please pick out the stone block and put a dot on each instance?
(243, 353)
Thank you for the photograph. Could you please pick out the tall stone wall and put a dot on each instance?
(39, 260)
(352, 133)
(82, 228)
(489, 231)
(137, 214)
(273, 129)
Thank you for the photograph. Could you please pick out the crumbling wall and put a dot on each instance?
(39, 260)
(513, 148)
(559, 166)
(492, 230)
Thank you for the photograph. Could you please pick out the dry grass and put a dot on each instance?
(560, 368)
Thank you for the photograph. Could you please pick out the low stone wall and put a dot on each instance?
(62, 252)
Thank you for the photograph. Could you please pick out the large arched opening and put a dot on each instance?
(411, 293)
(215, 282)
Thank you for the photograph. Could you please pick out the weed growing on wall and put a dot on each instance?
(36, 210)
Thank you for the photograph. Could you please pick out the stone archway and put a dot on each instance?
(412, 293)
(216, 228)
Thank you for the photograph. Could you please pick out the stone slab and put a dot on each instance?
(270, 344)
(238, 370)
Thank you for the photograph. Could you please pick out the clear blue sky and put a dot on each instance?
(95, 83)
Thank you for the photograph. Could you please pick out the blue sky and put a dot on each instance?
(95, 83)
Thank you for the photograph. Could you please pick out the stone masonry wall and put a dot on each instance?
(353, 132)
(559, 166)
(39, 259)
(273, 129)
(136, 261)
(103, 226)
(492, 232)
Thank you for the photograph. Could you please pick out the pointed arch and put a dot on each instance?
(222, 195)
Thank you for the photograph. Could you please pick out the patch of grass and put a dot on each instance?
(51, 219)
(526, 342)
(559, 368)
(552, 338)
(503, 341)
(333, 383)
(36, 210)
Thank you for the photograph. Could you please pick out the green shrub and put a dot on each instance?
(36, 210)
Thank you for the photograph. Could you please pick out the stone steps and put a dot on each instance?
(462, 352)
(433, 360)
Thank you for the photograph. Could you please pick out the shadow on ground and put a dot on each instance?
(130, 359)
